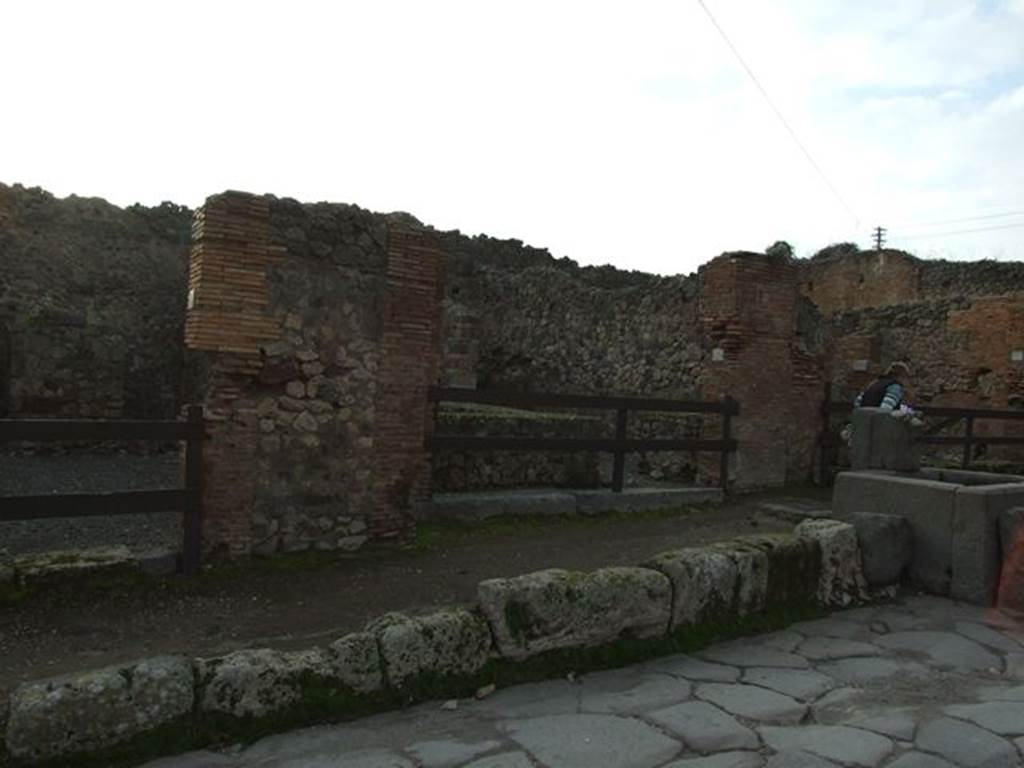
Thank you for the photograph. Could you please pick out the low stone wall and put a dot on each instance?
(538, 625)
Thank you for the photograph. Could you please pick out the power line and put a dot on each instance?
(967, 218)
(778, 114)
(959, 231)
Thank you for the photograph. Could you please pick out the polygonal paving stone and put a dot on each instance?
(584, 741)
(965, 744)
(721, 760)
(1014, 666)
(782, 640)
(198, 759)
(1001, 693)
(504, 760)
(832, 742)
(803, 684)
(867, 669)
(946, 649)
(704, 727)
(446, 754)
(919, 760)
(833, 626)
(551, 697)
(623, 691)
(825, 648)
(798, 759)
(1003, 717)
(893, 722)
(747, 654)
(988, 636)
(752, 702)
(364, 758)
(690, 668)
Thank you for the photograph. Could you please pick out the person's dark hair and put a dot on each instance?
(898, 370)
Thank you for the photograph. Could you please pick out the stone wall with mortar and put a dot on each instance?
(538, 625)
(313, 332)
(762, 349)
(963, 352)
(91, 306)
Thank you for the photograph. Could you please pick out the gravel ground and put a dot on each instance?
(89, 473)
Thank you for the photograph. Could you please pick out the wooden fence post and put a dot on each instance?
(193, 516)
(619, 468)
(968, 441)
(723, 470)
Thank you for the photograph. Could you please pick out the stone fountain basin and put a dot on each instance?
(954, 515)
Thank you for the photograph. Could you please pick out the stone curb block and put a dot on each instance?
(90, 711)
(555, 608)
(527, 615)
(258, 682)
(841, 581)
(449, 643)
(703, 583)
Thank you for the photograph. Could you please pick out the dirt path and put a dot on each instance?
(297, 602)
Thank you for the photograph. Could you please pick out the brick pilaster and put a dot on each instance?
(410, 360)
(227, 320)
(748, 306)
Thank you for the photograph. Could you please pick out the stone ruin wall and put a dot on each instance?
(92, 311)
(312, 333)
(91, 306)
(518, 319)
(960, 325)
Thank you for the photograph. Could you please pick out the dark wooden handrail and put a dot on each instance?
(187, 499)
(597, 402)
(619, 445)
(950, 417)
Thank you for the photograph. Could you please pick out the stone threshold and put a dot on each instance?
(559, 501)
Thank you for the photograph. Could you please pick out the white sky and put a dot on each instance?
(610, 132)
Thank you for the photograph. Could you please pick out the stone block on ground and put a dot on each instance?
(1011, 532)
(53, 718)
(703, 584)
(883, 439)
(841, 580)
(448, 643)
(751, 594)
(794, 563)
(555, 608)
(260, 682)
(46, 566)
(886, 546)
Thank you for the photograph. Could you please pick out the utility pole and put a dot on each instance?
(879, 238)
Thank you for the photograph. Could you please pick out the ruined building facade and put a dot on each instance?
(311, 332)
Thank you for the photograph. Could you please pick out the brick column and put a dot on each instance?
(227, 320)
(410, 361)
(748, 312)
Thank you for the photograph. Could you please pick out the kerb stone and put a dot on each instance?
(449, 643)
(886, 546)
(54, 718)
(555, 608)
(841, 579)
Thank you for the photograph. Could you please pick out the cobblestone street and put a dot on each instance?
(926, 683)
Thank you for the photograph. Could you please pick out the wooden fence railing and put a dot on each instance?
(187, 499)
(618, 445)
(949, 417)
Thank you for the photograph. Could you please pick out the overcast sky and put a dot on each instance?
(611, 132)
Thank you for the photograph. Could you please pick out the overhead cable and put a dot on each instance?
(779, 115)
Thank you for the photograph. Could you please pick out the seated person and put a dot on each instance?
(887, 391)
